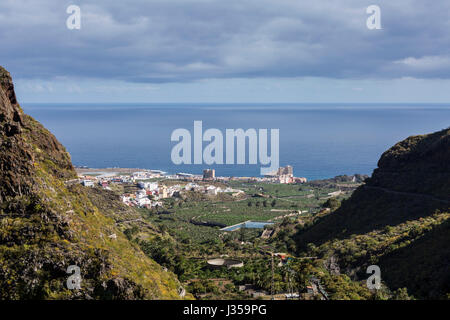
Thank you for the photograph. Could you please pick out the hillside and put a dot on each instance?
(45, 225)
(398, 220)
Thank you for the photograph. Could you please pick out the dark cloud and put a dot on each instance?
(185, 40)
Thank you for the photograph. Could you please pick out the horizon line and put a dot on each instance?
(248, 103)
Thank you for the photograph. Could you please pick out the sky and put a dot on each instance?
(227, 51)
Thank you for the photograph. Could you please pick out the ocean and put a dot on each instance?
(318, 140)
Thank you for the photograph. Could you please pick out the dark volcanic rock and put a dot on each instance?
(23, 143)
(46, 227)
(398, 220)
(418, 164)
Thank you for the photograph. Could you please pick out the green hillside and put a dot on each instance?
(397, 220)
(47, 225)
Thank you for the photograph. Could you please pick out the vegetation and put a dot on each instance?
(184, 246)
(47, 225)
(398, 220)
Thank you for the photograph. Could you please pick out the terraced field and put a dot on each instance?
(263, 202)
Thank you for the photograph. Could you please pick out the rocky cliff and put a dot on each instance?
(418, 164)
(46, 226)
(399, 220)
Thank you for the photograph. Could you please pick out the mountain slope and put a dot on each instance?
(398, 220)
(45, 226)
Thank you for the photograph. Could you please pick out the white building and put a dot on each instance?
(212, 190)
(151, 186)
(141, 194)
(143, 202)
(87, 183)
(191, 186)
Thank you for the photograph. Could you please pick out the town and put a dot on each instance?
(151, 190)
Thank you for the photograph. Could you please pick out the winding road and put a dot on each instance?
(407, 193)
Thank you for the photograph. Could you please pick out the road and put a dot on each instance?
(407, 193)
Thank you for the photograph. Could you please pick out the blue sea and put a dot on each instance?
(318, 140)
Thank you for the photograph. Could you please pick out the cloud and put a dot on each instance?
(426, 64)
(185, 40)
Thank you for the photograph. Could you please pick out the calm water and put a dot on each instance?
(319, 141)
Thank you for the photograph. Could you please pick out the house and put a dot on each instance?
(141, 194)
(126, 199)
(142, 202)
(312, 289)
(209, 174)
(141, 175)
(199, 189)
(211, 190)
(191, 186)
(87, 183)
(246, 287)
(162, 192)
(284, 179)
(300, 180)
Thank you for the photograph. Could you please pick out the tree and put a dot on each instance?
(332, 203)
(163, 229)
(303, 273)
(402, 294)
(130, 232)
(197, 287)
(242, 234)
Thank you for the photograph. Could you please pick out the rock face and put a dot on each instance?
(24, 143)
(10, 111)
(398, 220)
(418, 164)
(46, 226)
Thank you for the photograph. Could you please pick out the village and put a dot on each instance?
(152, 188)
(224, 236)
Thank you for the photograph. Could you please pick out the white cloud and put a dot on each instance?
(426, 63)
